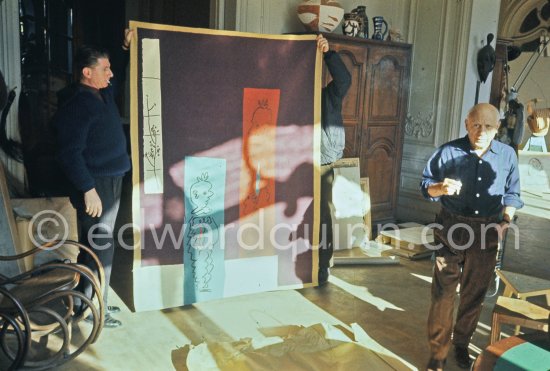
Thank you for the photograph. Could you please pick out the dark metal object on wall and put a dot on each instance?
(486, 58)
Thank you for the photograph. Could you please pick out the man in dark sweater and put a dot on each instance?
(92, 153)
(333, 142)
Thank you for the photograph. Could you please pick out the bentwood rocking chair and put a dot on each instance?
(40, 310)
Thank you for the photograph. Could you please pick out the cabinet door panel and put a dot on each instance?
(387, 80)
(354, 57)
(380, 161)
(352, 143)
(352, 109)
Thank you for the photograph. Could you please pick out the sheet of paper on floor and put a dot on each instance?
(252, 316)
(316, 347)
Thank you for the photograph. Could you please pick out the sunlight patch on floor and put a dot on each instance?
(361, 292)
(245, 316)
(257, 316)
(422, 277)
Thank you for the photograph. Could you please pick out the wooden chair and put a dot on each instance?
(504, 354)
(522, 286)
(516, 285)
(518, 313)
(40, 307)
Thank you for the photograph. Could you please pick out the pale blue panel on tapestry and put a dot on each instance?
(204, 192)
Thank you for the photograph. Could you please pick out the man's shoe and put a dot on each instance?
(462, 357)
(111, 309)
(323, 276)
(110, 322)
(435, 365)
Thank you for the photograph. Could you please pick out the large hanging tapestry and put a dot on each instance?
(224, 135)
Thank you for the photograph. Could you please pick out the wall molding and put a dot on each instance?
(461, 45)
(419, 125)
(217, 14)
(512, 15)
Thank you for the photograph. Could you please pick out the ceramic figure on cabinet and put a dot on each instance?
(363, 19)
(395, 35)
(351, 25)
(380, 28)
(320, 15)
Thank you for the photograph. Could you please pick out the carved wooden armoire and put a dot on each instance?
(374, 113)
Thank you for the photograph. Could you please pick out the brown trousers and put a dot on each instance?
(467, 255)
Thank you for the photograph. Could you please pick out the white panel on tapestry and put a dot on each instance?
(152, 118)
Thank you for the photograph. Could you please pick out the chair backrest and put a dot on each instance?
(8, 230)
(40, 220)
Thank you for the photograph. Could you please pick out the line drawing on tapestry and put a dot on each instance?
(153, 168)
(260, 112)
(262, 115)
(202, 233)
(204, 253)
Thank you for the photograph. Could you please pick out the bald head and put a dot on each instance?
(484, 109)
(482, 124)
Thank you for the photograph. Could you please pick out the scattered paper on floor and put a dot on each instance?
(317, 347)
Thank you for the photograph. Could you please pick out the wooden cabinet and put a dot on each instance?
(374, 113)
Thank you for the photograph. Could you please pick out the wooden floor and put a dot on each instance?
(389, 302)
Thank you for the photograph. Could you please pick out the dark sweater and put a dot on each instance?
(91, 142)
(333, 136)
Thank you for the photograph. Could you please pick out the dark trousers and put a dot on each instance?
(325, 231)
(98, 233)
(472, 267)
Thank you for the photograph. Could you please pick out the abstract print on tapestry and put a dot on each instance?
(224, 177)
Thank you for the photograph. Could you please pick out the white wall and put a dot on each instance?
(484, 21)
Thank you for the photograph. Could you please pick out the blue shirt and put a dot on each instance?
(488, 183)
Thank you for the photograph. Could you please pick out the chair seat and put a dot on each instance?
(523, 286)
(41, 286)
(517, 312)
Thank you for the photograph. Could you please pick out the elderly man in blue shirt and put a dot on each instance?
(476, 179)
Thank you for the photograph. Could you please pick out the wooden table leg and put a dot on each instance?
(495, 329)
(507, 291)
